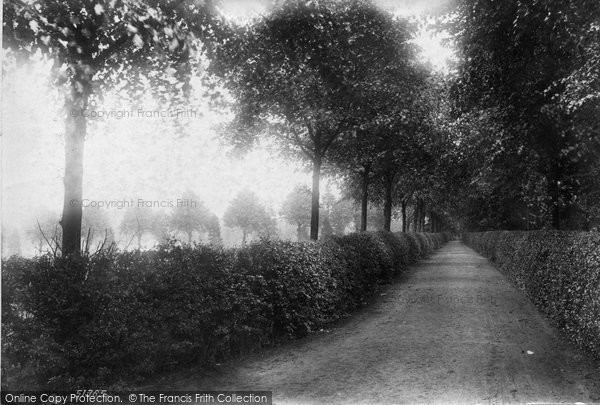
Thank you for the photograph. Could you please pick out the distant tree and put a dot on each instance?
(96, 228)
(161, 227)
(337, 213)
(190, 216)
(45, 232)
(295, 210)
(326, 229)
(247, 213)
(341, 215)
(214, 231)
(137, 221)
(374, 217)
(269, 227)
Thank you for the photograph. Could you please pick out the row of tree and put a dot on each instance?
(189, 222)
(337, 83)
(510, 141)
(526, 109)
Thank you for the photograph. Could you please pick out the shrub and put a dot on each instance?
(115, 318)
(559, 271)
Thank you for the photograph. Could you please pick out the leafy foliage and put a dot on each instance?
(296, 210)
(305, 72)
(191, 215)
(113, 319)
(95, 45)
(528, 77)
(247, 213)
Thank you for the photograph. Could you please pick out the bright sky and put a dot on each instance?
(133, 158)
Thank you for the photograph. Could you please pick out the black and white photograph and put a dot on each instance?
(300, 202)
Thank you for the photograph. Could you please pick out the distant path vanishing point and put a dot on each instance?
(451, 330)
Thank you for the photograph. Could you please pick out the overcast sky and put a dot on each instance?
(134, 158)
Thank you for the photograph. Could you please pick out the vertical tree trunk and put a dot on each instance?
(189, 235)
(244, 236)
(404, 224)
(314, 214)
(75, 130)
(365, 201)
(388, 204)
(299, 233)
(139, 241)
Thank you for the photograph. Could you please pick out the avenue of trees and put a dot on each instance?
(508, 140)
(526, 104)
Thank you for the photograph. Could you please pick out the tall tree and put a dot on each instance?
(303, 71)
(96, 44)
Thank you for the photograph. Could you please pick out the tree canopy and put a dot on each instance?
(308, 73)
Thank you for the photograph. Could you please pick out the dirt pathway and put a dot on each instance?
(453, 330)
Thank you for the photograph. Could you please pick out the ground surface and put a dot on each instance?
(453, 330)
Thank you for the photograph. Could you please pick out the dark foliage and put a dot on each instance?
(559, 271)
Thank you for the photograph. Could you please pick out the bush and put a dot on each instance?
(114, 319)
(559, 271)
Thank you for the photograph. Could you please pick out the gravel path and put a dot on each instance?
(452, 330)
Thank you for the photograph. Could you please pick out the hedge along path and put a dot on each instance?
(452, 330)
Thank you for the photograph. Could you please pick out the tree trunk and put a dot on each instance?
(244, 236)
(189, 235)
(75, 130)
(299, 233)
(365, 201)
(139, 241)
(404, 224)
(387, 207)
(314, 214)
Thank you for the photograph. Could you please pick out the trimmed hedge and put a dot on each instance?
(559, 271)
(115, 319)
